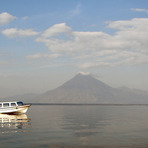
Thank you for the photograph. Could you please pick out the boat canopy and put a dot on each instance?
(10, 104)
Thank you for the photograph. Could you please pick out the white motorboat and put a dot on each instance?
(15, 107)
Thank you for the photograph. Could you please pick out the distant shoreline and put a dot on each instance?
(75, 104)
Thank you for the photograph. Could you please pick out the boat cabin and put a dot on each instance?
(10, 104)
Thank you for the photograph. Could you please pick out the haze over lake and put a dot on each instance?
(85, 89)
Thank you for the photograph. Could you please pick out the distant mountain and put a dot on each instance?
(27, 98)
(87, 89)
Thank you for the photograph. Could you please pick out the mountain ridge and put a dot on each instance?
(87, 89)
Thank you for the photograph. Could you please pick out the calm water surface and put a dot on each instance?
(76, 126)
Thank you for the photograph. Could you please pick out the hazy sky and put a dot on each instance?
(44, 43)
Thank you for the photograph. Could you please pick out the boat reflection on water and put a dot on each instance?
(9, 122)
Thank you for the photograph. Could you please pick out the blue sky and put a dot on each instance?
(43, 43)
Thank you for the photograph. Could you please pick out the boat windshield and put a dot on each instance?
(20, 103)
(6, 105)
(13, 104)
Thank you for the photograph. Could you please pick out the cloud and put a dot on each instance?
(76, 11)
(2, 63)
(56, 29)
(132, 34)
(140, 10)
(84, 73)
(25, 18)
(41, 56)
(94, 49)
(5, 18)
(14, 32)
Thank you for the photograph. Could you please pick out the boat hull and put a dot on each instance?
(15, 110)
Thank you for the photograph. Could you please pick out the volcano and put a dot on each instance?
(85, 89)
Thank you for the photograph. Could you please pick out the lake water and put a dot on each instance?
(76, 126)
